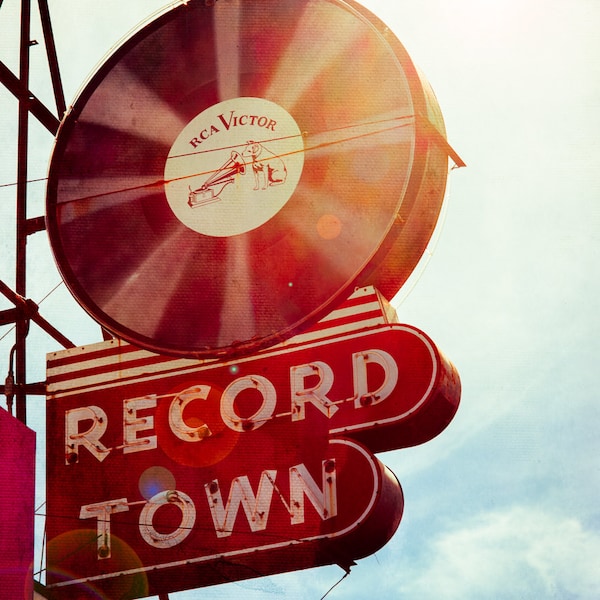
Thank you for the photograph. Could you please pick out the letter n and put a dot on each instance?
(302, 484)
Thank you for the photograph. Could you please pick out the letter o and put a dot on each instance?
(264, 413)
(167, 540)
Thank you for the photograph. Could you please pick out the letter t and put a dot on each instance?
(102, 511)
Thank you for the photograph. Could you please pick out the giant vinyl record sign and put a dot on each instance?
(233, 171)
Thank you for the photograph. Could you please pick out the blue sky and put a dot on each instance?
(504, 504)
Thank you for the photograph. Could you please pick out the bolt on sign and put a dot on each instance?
(168, 474)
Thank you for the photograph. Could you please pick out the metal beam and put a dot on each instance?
(59, 94)
(9, 316)
(36, 224)
(31, 389)
(27, 310)
(23, 94)
(433, 132)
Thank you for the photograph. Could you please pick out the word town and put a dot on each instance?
(256, 506)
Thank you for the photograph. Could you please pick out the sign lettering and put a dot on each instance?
(233, 120)
(237, 461)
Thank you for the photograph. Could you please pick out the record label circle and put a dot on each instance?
(234, 166)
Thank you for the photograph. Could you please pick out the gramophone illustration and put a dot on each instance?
(268, 170)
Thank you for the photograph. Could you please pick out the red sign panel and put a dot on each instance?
(167, 474)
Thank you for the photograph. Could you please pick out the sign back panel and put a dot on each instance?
(17, 496)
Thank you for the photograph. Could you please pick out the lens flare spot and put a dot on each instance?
(155, 480)
(329, 227)
(72, 556)
(234, 369)
(201, 413)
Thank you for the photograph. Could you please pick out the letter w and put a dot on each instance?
(256, 507)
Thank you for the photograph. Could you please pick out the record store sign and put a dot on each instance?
(227, 179)
(170, 474)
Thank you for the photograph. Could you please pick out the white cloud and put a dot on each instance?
(519, 553)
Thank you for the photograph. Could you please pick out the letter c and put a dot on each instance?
(178, 426)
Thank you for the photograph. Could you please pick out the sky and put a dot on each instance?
(504, 503)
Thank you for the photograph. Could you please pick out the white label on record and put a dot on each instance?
(234, 166)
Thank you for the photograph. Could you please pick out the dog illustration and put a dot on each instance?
(268, 168)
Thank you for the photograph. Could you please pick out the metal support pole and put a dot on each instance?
(21, 249)
(59, 95)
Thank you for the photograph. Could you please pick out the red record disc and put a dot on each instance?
(233, 171)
